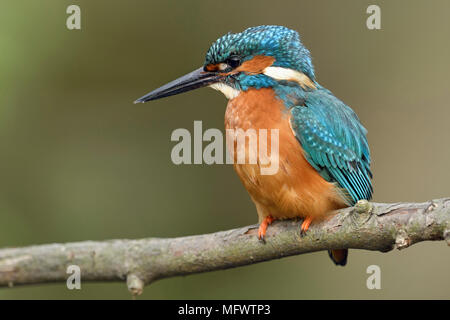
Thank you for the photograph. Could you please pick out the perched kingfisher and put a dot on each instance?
(324, 159)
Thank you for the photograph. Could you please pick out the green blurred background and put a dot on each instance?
(79, 161)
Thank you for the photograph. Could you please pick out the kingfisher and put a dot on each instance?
(267, 75)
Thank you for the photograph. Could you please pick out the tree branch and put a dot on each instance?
(370, 226)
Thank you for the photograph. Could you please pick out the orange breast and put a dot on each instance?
(296, 189)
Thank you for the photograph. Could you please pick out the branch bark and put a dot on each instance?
(370, 226)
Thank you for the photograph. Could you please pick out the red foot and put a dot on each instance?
(263, 227)
(305, 225)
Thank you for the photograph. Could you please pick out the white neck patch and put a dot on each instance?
(229, 92)
(280, 73)
(277, 73)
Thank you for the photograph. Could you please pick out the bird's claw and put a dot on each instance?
(261, 236)
(305, 226)
(263, 228)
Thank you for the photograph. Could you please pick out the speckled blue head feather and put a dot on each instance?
(276, 41)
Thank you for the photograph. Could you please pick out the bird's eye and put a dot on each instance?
(233, 61)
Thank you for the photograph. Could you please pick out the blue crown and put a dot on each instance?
(279, 42)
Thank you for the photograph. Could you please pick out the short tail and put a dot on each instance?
(339, 256)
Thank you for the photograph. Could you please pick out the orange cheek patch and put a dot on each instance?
(212, 67)
(256, 65)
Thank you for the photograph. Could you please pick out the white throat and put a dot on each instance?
(229, 92)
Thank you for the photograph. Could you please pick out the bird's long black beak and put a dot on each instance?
(196, 79)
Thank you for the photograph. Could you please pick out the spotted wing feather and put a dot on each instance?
(334, 142)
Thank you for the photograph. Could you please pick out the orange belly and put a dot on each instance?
(296, 189)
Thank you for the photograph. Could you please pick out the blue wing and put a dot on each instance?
(334, 142)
